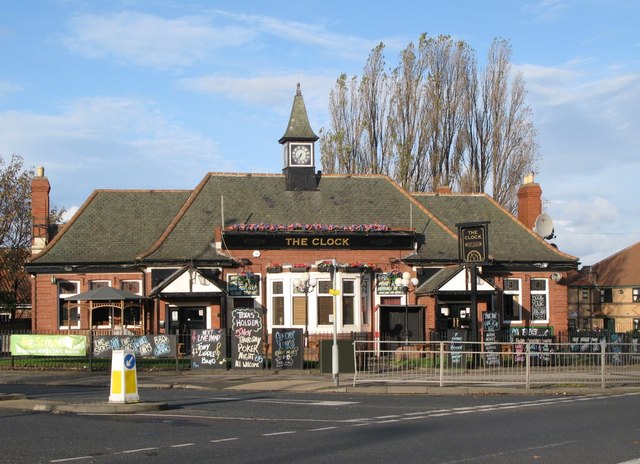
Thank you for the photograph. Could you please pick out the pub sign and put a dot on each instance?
(473, 242)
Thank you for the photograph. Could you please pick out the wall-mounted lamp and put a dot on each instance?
(53, 279)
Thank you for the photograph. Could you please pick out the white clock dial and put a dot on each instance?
(300, 155)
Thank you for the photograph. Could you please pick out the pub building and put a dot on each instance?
(301, 248)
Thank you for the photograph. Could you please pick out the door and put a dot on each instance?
(183, 320)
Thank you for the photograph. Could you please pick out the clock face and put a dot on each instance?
(300, 155)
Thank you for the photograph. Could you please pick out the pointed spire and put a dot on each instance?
(298, 127)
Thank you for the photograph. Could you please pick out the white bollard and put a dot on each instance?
(124, 380)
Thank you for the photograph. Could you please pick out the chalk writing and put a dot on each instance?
(246, 345)
(287, 351)
(208, 348)
(159, 346)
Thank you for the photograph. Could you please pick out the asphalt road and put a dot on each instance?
(263, 427)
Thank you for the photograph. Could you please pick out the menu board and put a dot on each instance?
(456, 347)
(288, 349)
(208, 349)
(246, 338)
(540, 349)
(538, 307)
(490, 329)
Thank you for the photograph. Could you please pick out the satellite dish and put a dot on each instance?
(544, 226)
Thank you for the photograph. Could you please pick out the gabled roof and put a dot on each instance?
(619, 269)
(251, 198)
(510, 241)
(453, 279)
(113, 226)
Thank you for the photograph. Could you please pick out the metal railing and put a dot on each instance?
(525, 364)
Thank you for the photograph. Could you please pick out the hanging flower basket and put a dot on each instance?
(324, 267)
(299, 268)
(274, 268)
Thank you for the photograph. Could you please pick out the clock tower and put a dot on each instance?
(298, 144)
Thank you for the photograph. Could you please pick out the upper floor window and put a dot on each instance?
(131, 286)
(606, 295)
(512, 300)
(98, 284)
(539, 300)
(585, 294)
(635, 295)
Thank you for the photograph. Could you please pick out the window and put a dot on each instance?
(606, 295)
(325, 303)
(348, 302)
(132, 286)
(635, 295)
(277, 302)
(68, 311)
(585, 294)
(98, 284)
(512, 299)
(539, 301)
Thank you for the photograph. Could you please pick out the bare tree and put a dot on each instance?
(501, 146)
(340, 146)
(435, 120)
(15, 232)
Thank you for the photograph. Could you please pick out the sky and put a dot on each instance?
(128, 94)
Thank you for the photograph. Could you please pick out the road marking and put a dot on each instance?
(322, 428)
(305, 402)
(79, 458)
(222, 440)
(139, 450)
(182, 445)
(289, 432)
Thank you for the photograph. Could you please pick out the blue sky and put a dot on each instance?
(154, 94)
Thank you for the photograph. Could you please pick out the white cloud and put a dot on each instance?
(7, 88)
(108, 143)
(267, 91)
(149, 40)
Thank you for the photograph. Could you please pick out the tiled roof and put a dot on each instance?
(113, 227)
(620, 269)
(339, 200)
(509, 240)
(158, 226)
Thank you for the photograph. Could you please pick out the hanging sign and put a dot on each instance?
(473, 242)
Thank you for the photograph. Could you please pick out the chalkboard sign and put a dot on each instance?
(540, 347)
(246, 341)
(457, 338)
(616, 347)
(208, 349)
(288, 349)
(538, 307)
(490, 328)
(144, 346)
(586, 342)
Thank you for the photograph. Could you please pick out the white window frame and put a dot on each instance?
(66, 296)
(518, 302)
(544, 292)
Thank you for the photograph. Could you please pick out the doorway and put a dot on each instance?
(184, 319)
(400, 323)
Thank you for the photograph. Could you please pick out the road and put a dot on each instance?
(238, 427)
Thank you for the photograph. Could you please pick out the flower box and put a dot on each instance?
(299, 268)
(274, 269)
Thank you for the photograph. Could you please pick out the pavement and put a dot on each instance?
(238, 380)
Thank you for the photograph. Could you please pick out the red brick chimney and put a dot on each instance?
(40, 189)
(443, 189)
(529, 201)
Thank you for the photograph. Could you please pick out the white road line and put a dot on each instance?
(140, 450)
(222, 440)
(279, 433)
(322, 428)
(182, 445)
(79, 458)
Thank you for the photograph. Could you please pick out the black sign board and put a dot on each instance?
(490, 329)
(243, 240)
(208, 349)
(288, 349)
(473, 242)
(540, 347)
(143, 346)
(457, 346)
(246, 341)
